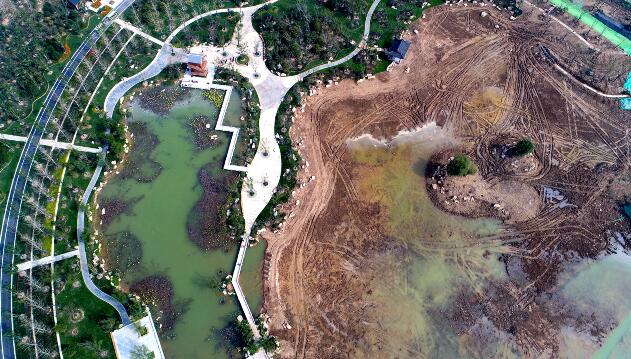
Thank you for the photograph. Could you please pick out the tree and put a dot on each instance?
(461, 165)
(54, 49)
(141, 352)
(523, 147)
(268, 343)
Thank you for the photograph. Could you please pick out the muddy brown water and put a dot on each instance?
(443, 253)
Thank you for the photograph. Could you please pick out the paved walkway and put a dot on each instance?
(46, 260)
(85, 271)
(263, 173)
(234, 131)
(52, 143)
(12, 212)
(166, 56)
(362, 44)
(124, 24)
(265, 169)
(127, 338)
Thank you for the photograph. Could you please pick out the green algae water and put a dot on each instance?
(157, 218)
(602, 286)
(439, 253)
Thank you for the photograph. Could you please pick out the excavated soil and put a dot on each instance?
(484, 81)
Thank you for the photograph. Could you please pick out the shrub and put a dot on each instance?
(54, 49)
(141, 329)
(268, 343)
(461, 165)
(523, 147)
(141, 352)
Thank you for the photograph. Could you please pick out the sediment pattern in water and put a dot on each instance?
(436, 255)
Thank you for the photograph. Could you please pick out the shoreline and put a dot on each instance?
(223, 211)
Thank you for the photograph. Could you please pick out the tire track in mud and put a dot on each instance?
(522, 111)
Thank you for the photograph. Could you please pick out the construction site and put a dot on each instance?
(382, 257)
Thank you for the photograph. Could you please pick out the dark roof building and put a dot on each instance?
(397, 50)
(74, 3)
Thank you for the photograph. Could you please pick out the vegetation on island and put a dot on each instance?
(522, 148)
(461, 165)
(250, 345)
(141, 351)
(214, 96)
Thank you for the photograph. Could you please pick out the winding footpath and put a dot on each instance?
(167, 55)
(83, 258)
(11, 217)
(263, 173)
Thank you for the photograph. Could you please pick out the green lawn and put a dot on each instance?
(301, 35)
(49, 76)
(216, 30)
(84, 322)
(9, 156)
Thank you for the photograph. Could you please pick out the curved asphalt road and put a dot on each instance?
(14, 200)
(85, 271)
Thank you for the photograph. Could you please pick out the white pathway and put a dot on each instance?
(127, 338)
(587, 43)
(124, 24)
(599, 93)
(166, 56)
(52, 143)
(234, 131)
(47, 260)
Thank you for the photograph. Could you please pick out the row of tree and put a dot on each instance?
(32, 41)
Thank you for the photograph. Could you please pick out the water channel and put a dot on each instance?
(155, 216)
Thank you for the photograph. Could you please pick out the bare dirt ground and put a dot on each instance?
(484, 80)
(473, 196)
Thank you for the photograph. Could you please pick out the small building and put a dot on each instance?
(75, 4)
(197, 65)
(396, 52)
